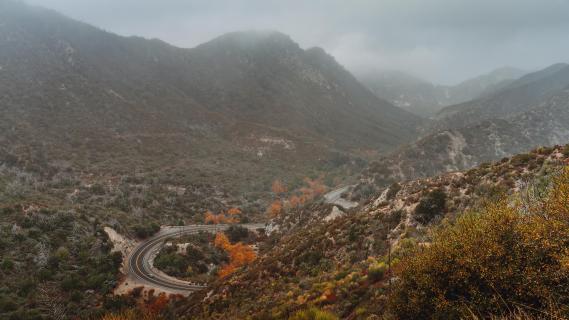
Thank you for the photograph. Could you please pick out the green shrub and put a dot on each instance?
(145, 231)
(7, 211)
(237, 233)
(194, 253)
(71, 282)
(45, 275)
(7, 304)
(393, 190)
(394, 217)
(490, 191)
(311, 257)
(171, 262)
(7, 264)
(376, 271)
(96, 281)
(520, 159)
(26, 287)
(565, 150)
(430, 206)
(62, 253)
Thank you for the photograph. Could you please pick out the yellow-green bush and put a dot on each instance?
(376, 271)
(513, 254)
(313, 314)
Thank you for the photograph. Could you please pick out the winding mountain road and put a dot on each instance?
(335, 197)
(139, 264)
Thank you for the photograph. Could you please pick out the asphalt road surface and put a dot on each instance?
(139, 263)
(335, 197)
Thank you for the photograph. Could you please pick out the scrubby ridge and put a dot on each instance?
(342, 265)
(506, 257)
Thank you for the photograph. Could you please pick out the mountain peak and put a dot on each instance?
(246, 40)
(317, 51)
(320, 55)
(557, 66)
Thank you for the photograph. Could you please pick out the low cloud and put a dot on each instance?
(444, 41)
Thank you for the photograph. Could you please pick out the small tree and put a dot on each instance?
(393, 190)
(237, 233)
(432, 205)
(278, 187)
(275, 209)
(7, 264)
(239, 254)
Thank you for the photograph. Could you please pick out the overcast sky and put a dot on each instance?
(444, 41)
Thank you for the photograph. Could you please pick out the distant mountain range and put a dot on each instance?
(515, 98)
(246, 105)
(426, 99)
(530, 112)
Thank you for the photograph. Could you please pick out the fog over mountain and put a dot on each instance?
(284, 160)
(424, 98)
(440, 42)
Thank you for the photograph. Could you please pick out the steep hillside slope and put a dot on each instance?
(482, 85)
(517, 97)
(339, 264)
(249, 102)
(545, 124)
(426, 99)
(265, 77)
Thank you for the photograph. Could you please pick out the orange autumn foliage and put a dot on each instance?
(278, 187)
(234, 211)
(221, 241)
(225, 271)
(315, 187)
(211, 218)
(275, 209)
(239, 254)
(295, 201)
(231, 216)
(158, 304)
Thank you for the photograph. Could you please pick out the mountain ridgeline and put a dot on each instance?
(343, 264)
(530, 112)
(246, 99)
(426, 99)
(519, 96)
